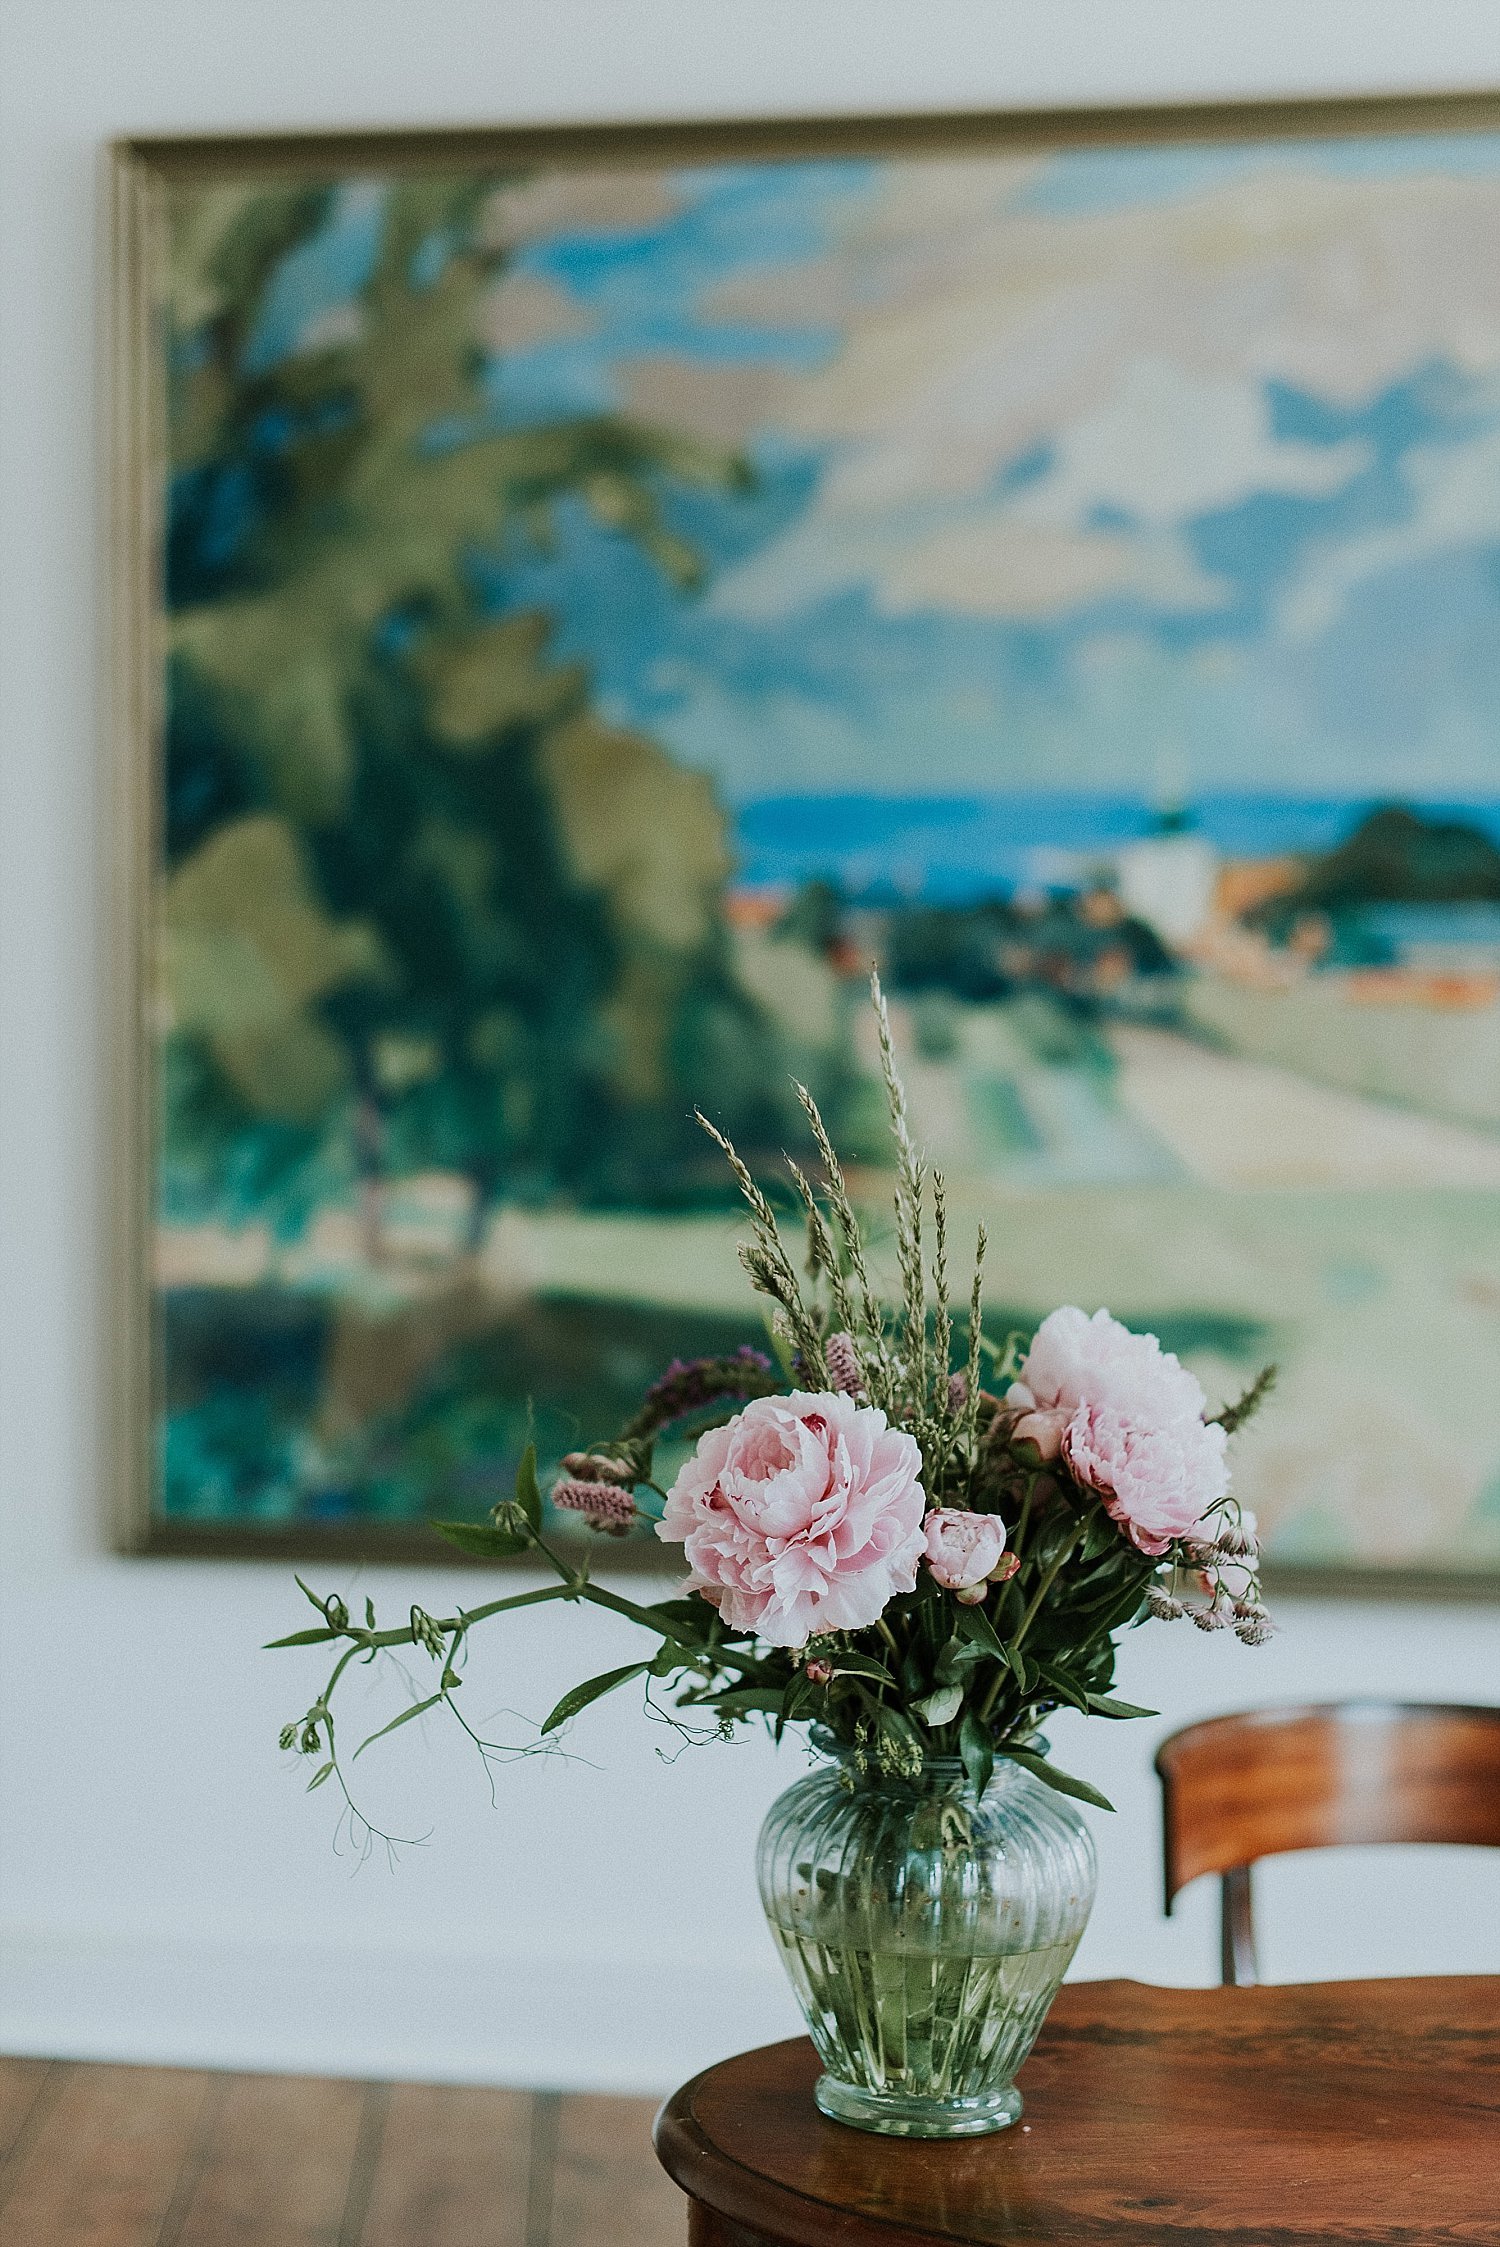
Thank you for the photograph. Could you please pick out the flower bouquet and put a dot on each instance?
(918, 1541)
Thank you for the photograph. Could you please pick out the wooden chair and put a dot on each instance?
(1238, 1788)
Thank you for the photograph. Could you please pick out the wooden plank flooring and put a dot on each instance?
(167, 2157)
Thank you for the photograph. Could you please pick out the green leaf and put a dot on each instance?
(369, 1614)
(861, 1665)
(690, 1621)
(798, 1700)
(482, 1539)
(1008, 1608)
(744, 1700)
(1100, 1536)
(301, 1638)
(528, 1489)
(1063, 1686)
(592, 1689)
(326, 1772)
(1100, 1704)
(973, 1624)
(1121, 1611)
(977, 1750)
(958, 1656)
(1061, 1782)
(418, 1708)
(941, 1707)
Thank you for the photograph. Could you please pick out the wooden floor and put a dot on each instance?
(164, 2157)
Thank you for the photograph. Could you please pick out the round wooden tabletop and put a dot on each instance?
(1364, 2114)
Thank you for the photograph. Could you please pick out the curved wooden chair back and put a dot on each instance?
(1238, 1788)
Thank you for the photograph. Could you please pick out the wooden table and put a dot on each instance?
(1338, 2114)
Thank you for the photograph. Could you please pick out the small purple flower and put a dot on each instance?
(687, 1388)
(603, 1504)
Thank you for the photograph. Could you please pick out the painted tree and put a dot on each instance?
(423, 906)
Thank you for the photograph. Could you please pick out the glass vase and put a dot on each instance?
(926, 1930)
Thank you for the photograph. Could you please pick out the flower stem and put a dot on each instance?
(1049, 1577)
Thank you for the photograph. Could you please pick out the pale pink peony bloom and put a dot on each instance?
(1076, 1360)
(1157, 1483)
(802, 1514)
(963, 1549)
(1127, 1417)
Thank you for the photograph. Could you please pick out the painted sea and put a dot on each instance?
(951, 848)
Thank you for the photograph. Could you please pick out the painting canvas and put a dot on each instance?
(596, 594)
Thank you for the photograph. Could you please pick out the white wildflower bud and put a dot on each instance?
(425, 1632)
(1255, 1630)
(1209, 1618)
(1162, 1605)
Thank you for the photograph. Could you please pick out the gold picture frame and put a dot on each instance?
(145, 175)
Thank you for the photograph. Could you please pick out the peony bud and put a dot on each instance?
(598, 1466)
(964, 1549)
(1041, 1427)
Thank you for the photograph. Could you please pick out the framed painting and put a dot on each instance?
(587, 594)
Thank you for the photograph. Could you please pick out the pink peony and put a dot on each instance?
(1128, 1419)
(1157, 1483)
(802, 1514)
(963, 1549)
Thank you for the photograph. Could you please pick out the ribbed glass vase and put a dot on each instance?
(926, 1931)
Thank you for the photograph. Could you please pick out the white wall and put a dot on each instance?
(165, 1890)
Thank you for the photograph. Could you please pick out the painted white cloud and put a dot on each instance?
(1169, 444)
(1135, 344)
(1006, 566)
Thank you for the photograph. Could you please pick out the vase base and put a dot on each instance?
(896, 2114)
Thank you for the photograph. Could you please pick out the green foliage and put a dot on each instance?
(424, 909)
(942, 1675)
(593, 1689)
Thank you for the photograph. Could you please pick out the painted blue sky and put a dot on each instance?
(1164, 471)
